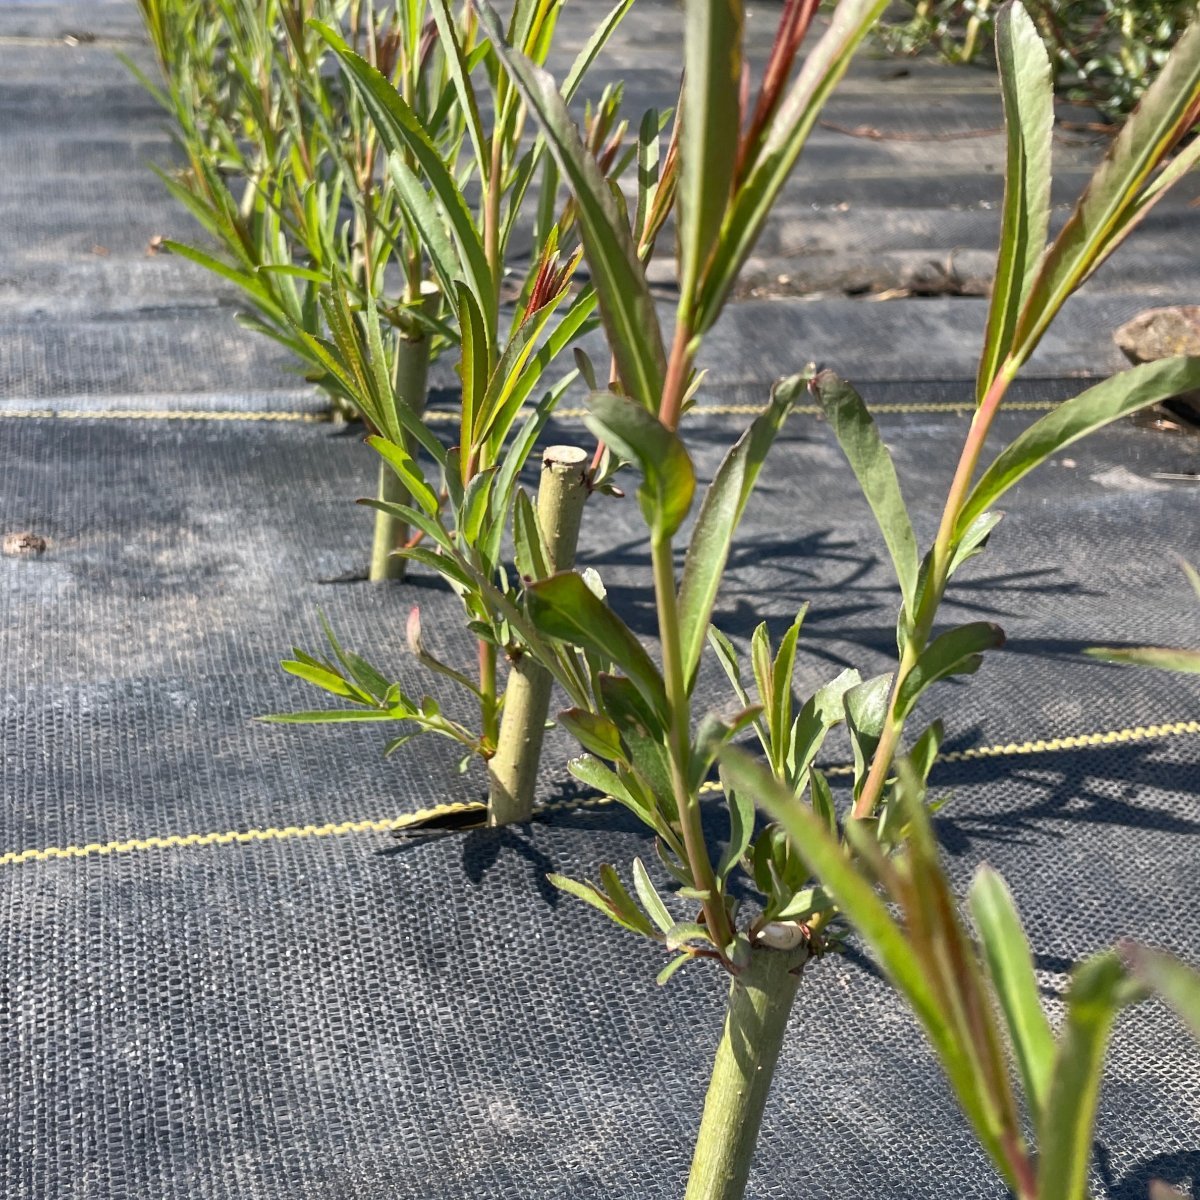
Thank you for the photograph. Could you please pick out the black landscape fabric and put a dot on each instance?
(320, 1015)
(222, 978)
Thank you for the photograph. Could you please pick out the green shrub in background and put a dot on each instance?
(1104, 52)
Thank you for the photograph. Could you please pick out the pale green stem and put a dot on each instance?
(513, 769)
(391, 534)
(756, 1016)
(679, 733)
(679, 744)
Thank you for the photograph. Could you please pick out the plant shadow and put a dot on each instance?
(1180, 1169)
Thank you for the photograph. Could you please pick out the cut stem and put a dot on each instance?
(512, 770)
(756, 1015)
(391, 534)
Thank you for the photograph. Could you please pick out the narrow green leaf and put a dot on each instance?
(428, 221)
(1177, 983)
(407, 471)
(1075, 418)
(822, 800)
(623, 902)
(866, 712)
(924, 753)
(974, 539)
(670, 969)
(596, 734)
(333, 716)
(872, 465)
(564, 607)
(717, 521)
(711, 134)
(764, 677)
(1102, 218)
(652, 902)
(803, 904)
(450, 569)
(1010, 967)
(249, 282)
(326, 680)
(414, 516)
(955, 652)
(727, 657)
(452, 56)
(605, 780)
(779, 717)
(400, 129)
(475, 506)
(474, 370)
(821, 712)
(643, 736)
(625, 302)
(1069, 1112)
(529, 547)
(639, 436)
(682, 933)
(1160, 657)
(741, 828)
(1027, 87)
(591, 895)
(1192, 574)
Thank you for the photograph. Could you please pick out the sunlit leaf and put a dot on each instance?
(1116, 397)
(1103, 216)
(1068, 1115)
(955, 652)
(1010, 967)
(795, 119)
(717, 521)
(1177, 983)
(651, 901)
(858, 435)
(1027, 87)
(708, 147)
(1160, 657)
(669, 480)
(564, 607)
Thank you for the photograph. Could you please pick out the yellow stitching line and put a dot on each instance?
(154, 414)
(174, 841)
(436, 417)
(13, 858)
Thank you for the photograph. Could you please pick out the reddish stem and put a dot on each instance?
(939, 572)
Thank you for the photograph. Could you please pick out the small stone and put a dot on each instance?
(1163, 333)
(1160, 333)
(24, 544)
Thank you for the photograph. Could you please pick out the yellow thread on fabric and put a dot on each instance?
(176, 841)
(443, 417)
(159, 414)
(413, 820)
